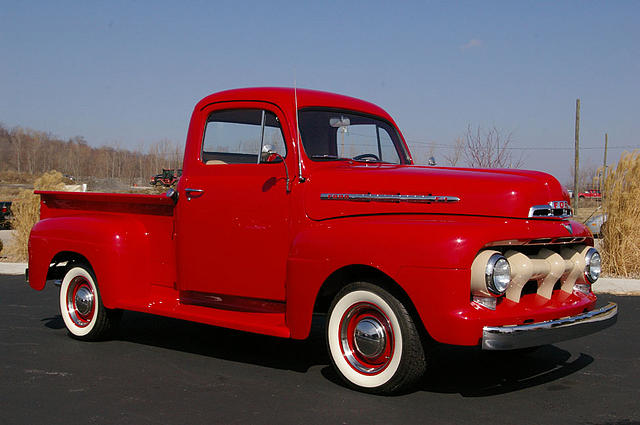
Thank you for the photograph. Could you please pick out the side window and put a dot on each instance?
(242, 136)
(272, 140)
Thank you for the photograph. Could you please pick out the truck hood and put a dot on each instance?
(347, 189)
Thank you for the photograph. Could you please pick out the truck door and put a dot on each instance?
(233, 218)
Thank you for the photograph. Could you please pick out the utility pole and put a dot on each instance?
(576, 168)
(604, 168)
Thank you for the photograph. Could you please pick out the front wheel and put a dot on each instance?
(372, 340)
(81, 306)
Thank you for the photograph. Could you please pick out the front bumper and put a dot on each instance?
(541, 333)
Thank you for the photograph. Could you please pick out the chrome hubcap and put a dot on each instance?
(366, 338)
(369, 337)
(84, 301)
(80, 301)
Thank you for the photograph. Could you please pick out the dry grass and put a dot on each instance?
(15, 177)
(9, 193)
(12, 182)
(621, 233)
(587, 209)
(26, 213)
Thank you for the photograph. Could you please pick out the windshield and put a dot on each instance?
(338, 135)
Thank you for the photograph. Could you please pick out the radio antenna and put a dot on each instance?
(301, 179)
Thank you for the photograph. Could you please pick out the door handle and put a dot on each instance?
(193, 193)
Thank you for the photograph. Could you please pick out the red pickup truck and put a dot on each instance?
(300, 202)
(591, 194)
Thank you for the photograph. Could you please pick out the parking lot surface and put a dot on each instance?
(164, 371)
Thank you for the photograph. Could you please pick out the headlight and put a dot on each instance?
(497, 274)
(593, 265)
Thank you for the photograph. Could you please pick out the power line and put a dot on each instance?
(547, 148)
(517, 148)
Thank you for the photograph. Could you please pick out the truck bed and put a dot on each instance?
(56, 204)
(116, 233)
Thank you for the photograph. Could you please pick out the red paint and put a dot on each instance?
(266, 252)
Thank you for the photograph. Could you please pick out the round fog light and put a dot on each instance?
(497, 274)
(593, 265)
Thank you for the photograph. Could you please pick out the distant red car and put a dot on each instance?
(590, 193)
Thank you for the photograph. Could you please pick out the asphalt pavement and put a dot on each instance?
(165, 371)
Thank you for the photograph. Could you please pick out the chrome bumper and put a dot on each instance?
(534, 334)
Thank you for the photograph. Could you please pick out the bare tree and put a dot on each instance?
(24, 150)
(429, 153)
(587, 177)
(18, 139)
(453, 158)
(489, 149)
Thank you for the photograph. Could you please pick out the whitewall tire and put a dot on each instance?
(81, 306)
(372, 340)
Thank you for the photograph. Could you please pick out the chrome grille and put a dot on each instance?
(535, 269)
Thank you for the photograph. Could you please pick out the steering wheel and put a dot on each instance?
(366, 155)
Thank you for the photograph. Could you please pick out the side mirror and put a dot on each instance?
(276, 157)
(172, 194)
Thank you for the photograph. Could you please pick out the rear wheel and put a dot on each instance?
(372, 340)
(81, 306)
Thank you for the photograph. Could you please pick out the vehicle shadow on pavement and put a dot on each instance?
(54, 322)
(472, 372)
(226, 344)
(469, 372)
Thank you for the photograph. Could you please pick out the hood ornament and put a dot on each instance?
(568, 227)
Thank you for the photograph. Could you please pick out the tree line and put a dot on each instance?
(35, 152)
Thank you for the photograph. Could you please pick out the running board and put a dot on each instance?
(232, 302)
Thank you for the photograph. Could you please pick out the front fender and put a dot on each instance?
(386, 243)
(428, 256)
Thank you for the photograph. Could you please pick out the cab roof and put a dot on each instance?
(285, 97)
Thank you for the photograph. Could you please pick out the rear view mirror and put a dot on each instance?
(339, 122)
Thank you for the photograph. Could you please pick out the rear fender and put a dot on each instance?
(117, 248)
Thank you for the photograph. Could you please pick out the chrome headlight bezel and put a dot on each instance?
(496, 284)
(591, 274)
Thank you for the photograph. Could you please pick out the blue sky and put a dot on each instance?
(129, 73)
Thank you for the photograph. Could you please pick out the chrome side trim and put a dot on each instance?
(541, 333)
(374, 197)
